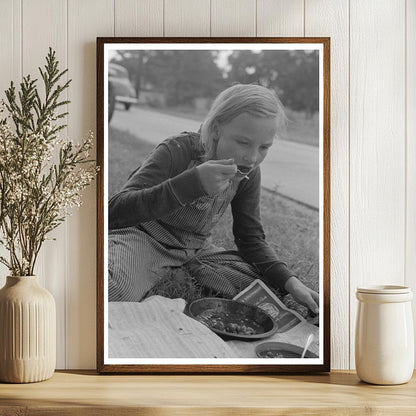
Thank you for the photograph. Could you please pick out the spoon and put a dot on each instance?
(244, 175)
(308, 342)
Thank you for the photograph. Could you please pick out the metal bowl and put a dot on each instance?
(287, 350)
(231, 312)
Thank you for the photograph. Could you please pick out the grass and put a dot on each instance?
(302, 128)
(126, 153)
(290, 228)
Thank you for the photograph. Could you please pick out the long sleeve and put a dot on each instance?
(161, 185)
(249, 234)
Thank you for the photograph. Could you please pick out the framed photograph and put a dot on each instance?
(213, 242)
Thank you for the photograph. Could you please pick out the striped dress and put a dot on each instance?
(142, 254)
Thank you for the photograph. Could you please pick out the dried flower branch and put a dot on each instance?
(37, 194)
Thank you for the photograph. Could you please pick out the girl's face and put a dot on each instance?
(247, 139)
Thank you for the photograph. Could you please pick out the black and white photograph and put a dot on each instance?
(215, 205)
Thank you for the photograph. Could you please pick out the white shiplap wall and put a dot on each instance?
(373, 132)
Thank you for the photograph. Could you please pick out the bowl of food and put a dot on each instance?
(281, 350)
(231, 319)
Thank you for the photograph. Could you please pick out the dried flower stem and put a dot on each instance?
(36, 194)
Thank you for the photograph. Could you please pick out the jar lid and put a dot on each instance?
(384, 289)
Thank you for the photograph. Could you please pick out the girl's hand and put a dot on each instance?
(215, 175)
(303, 294)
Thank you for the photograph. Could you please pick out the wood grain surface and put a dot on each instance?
(373, 146)
(185, 18)
(138, 18)
(51, 264)
(328, 18)
(280, 18)
(233, 18)
(410, 258)
(85, 18)
(377, 149)
(86, 393)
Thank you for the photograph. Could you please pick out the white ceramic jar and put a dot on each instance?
(384, 337)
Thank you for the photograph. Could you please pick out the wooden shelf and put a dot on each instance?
(87, 393)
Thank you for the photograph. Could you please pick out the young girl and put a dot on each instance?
(162, 218)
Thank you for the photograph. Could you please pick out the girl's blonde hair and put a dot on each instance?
(240, 98)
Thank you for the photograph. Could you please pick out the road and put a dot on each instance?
(291, 169)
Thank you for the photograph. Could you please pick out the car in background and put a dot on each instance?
(120, 88)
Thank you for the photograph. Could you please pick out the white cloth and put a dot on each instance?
(158, 328)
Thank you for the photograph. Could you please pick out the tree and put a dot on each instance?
(293, 74)
(184, 75)
(134, 61)
(181, 74)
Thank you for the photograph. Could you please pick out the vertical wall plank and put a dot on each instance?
(10, 67)
(411, 152)
(280, 18)
(138, 17)
(37, 37)
(187, 18)
(86, 20)
(233, 18)
(331, 18)
(377, 140)
(10, 44)
(377, 135)
(6, 46)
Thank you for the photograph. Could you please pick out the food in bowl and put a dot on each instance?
(231, 319)
(232, 323)
(277, 354)
(274, 349)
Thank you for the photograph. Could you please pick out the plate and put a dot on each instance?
(287, 350)
(233, 320)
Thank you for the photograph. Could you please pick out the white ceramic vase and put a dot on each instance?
(384, 338)
(27, 331)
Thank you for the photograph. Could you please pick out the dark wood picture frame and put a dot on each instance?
(104, 367)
